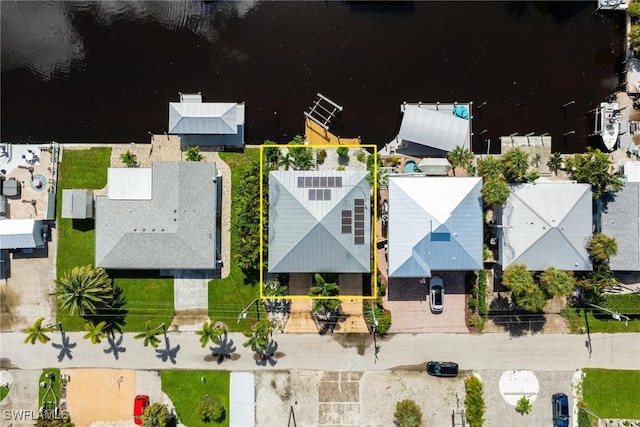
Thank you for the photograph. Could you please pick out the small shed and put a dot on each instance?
(21, 234)
(434, 166)
(77, 204)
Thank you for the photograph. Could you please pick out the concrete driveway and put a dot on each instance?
(408, 300)
(368, 398)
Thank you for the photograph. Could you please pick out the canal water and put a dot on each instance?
(105, 71)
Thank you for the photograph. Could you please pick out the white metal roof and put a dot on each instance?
(20, 233)
(435, 223)
(305, 233)
(547, 224)
(205, 117)
(129, 183)
(432, 128)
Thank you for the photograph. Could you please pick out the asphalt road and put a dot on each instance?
(541, 352)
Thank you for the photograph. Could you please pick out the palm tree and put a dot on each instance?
(557, 282)
(211, 332)
(286, 161)
(84, 290)
(532, 299)
(517, 278)
(460, 157)
(150, 335)
(129, 159)
(193, 154)
(490, 167)
(95, 332)
(271, 154)
(516, 163)
(155, 415)
(324, 306)
(603, 247)
(555, 162)
(495, 192)
(258, 340)
(37, 332)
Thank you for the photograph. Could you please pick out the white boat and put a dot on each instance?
(608, 124)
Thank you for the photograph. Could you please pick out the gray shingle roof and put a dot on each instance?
(306, 235)
(77, 204)
(174, 230)
(547, 225)
(620, 219)
(435, 223)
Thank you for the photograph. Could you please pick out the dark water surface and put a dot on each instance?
(105, 71)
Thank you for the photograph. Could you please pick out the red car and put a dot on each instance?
(139, 403)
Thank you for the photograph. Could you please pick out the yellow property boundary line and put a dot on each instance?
(374, 231)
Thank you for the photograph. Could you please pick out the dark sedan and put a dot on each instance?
(442, 369)
(560, 404)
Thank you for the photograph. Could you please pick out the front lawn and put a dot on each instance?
(612, 393)
(229, 296)
(186, 388)
(601, 321)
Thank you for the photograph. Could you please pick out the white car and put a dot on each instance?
(436, 294)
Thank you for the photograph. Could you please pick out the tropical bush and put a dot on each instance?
(156, 415)
(193, 154)
(407, 414)
(361, 157)
(129, 159)
(593, 168)
(343, 152)
(321, 156)
(210, 409)
(524, 405)
(474, 401)
(557, 282)
(495, 191)
(602, 247)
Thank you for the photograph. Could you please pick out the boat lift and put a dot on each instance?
(322, 111)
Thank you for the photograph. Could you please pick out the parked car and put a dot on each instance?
(140, 402)
(442, 369)
(560, 404)
(436, 294)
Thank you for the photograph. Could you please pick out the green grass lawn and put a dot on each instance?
(3, 392)
(56, 386)
(229, 296)
(611, 393)
(602, 321)
(80, 169)
(185, 388)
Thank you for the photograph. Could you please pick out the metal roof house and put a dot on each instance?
(546, 224)
(433, 129)
(21, 234)
(319, 222)
(167, 221)
(206, 123)
(435, 223)
(77, 204)
(620, 219)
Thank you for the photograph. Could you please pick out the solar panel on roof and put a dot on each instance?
(301, 181)
(358, 225)
(323, 182)
(327, 194)
(331, 182)
(359, 241)
(308, 181)
(316, 181)
(338, 182)
(312, 194)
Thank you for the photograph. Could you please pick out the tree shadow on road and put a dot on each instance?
(270, 356)
(65, 347)
(168, 353)
(226, 350)
(115, 346)
(519, 324)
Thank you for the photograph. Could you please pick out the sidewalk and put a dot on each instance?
(339, 352)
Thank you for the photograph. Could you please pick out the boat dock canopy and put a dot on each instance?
(322, 111)
(439, 127)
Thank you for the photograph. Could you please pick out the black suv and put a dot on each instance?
(442, 369)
